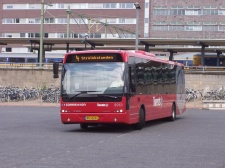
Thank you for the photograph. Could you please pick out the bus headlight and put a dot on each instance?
(118, 111)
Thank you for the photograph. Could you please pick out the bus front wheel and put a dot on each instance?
(141, 122)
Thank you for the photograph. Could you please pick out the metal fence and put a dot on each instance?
(10, 65)
(204, 69)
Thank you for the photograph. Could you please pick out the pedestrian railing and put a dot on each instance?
(9, 65)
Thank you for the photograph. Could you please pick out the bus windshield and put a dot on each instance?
(86, 79)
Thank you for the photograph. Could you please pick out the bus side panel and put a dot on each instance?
(156, 106)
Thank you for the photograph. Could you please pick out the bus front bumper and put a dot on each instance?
(95, 118)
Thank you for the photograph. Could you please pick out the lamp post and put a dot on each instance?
(41, 30)
(68, 11)
(85, 40)
(138, 7)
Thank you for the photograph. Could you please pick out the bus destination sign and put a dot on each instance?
(81, 58)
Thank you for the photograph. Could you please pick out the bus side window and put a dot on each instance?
(132, 79)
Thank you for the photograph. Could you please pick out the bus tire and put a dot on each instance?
(141, 122)
(83, 126)
(173, 114)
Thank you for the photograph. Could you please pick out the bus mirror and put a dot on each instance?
(55, 70)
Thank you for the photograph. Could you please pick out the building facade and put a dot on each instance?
(204, 19)
(110, 19)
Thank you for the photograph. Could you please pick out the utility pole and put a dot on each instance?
(138, 7)
(41, 52)
(68, 11)
(41, 33)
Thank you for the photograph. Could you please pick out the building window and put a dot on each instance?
(193, 28)
(8, 49)
(8, 35)
(210, 28)
(30, 20)
(160, 7)
(210, 23)
(194, 7)
(160, 23)
(62, 20)
(45, 35)
(177, 11)
(34, 6)
(109, 5)
(222, 27)
(37, 20)
(61, 35)
(8, 20)
(176, 28)
(146, 20)
(37, 34)
(177, 23)
(121, 20)
(177, 7)
(210, 7)
(193, 23)
(80, 6)
(111, 20)
(17, 20)
(49, 20)
(9, 6)
(221, 12)
(22, 34)
(95, 5)
(61, 6)
(193, 12)
(160, 28)
(147, 5)
(210, 12)
(31, 35)
(95, 35)
(161, 12)
(126, 5)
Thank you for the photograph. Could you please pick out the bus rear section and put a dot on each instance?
(104, 87)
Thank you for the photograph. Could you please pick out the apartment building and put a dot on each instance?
(203, 19)
(94, 19)
(110, 19)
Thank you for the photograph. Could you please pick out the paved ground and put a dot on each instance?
(196, 104)
(34, 137)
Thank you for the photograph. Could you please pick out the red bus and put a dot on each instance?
(119, 87)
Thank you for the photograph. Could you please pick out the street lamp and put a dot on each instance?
(68, 11)
(138, 7)
(41, 29)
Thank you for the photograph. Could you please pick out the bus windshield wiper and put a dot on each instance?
(80, 93)
(104, 95)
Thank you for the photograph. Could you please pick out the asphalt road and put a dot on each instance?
(33, 137)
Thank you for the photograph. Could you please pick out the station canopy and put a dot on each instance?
(146, 44)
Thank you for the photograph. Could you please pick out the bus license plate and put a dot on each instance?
(91, 117)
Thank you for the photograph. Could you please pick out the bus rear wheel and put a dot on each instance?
(141, 122)
(83, 126)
